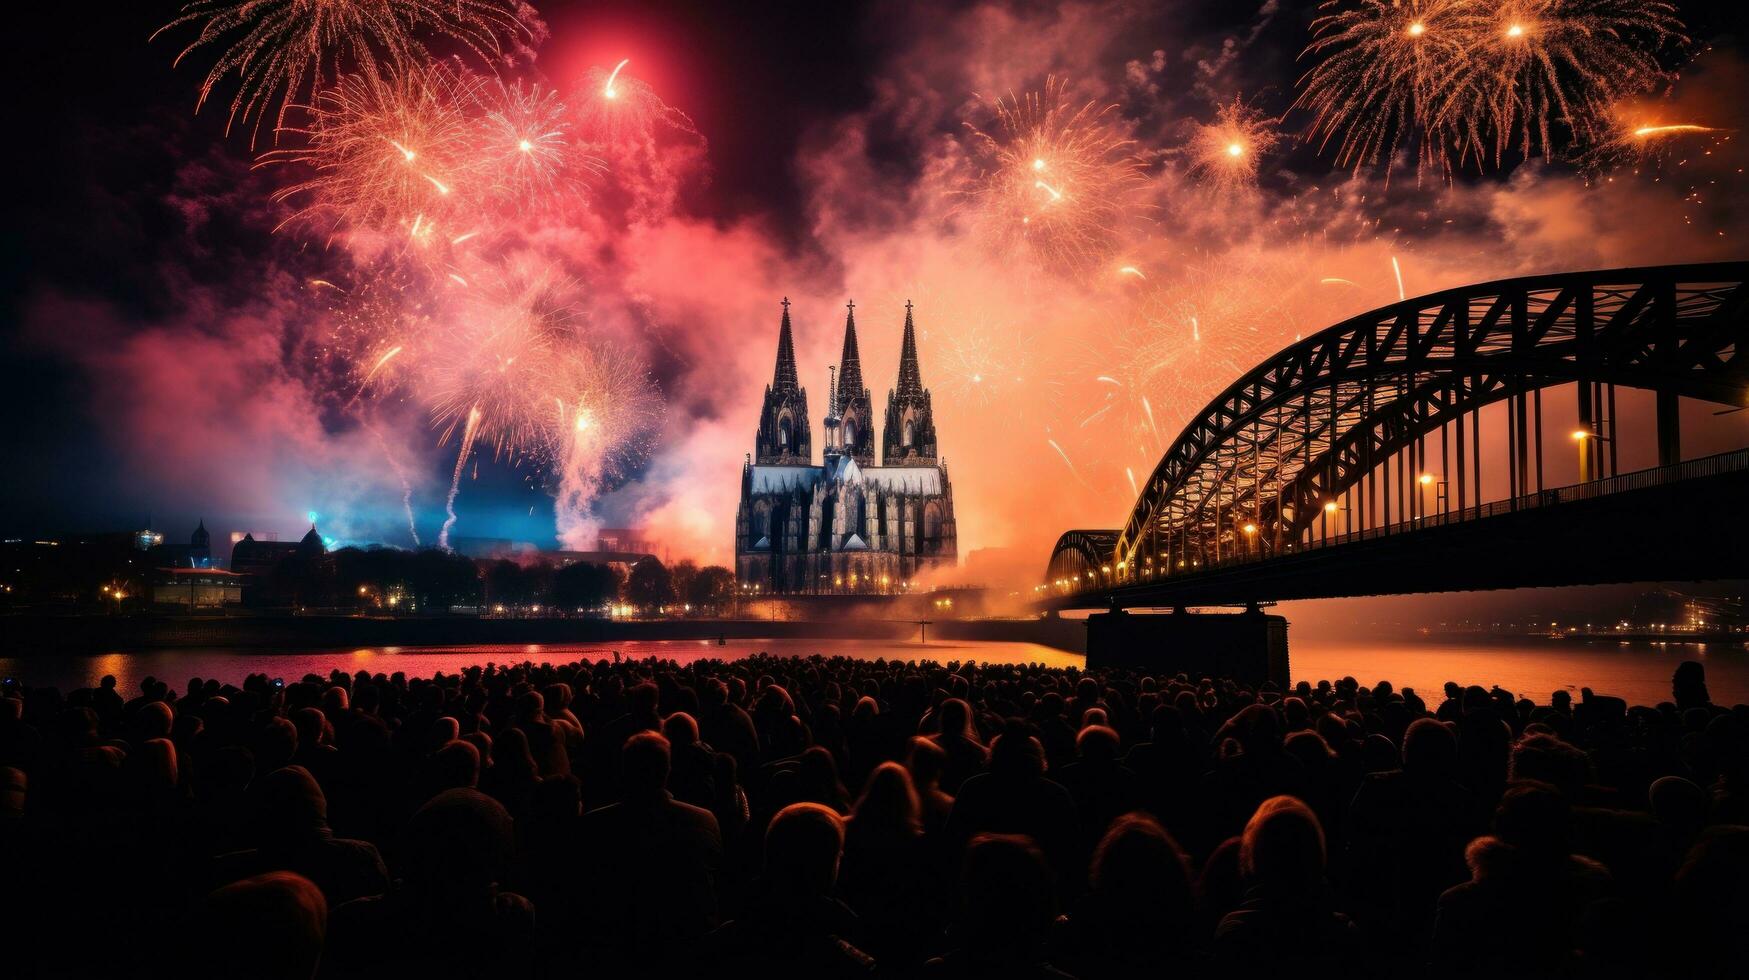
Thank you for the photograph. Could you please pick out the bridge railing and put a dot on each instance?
(1736, 461)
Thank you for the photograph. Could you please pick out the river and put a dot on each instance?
(1532, 667)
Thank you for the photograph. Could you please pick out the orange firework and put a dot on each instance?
(1226, 152)
(284, 51)
(1388, 72)
(388, 151)
(1544, 63)
(1463, 80)
(1057, 180)
(606, 414)
(487, 375)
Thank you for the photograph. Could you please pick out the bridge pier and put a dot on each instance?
(1250, 646)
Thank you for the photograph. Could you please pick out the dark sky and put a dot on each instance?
(100, 124)
(100, 121)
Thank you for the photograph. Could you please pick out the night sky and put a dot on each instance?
(163, 356)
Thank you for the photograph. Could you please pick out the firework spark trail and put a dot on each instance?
(400, 474)
(1643, 137)
(1072, 470)
(1398, 271)
(282, 52)
(1057, 180)
(1130, 475)
(607, 90)
(455, 481)
(645, 143)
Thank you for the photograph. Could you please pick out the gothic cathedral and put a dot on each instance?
(845, 525)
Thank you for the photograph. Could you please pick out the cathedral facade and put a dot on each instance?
(844, 524)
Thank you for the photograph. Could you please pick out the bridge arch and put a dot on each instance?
(1302, 430)
(1079, 557)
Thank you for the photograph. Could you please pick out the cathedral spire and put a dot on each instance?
(851, 401)
(784, 378)
(850, 363)
(910, 378)
(783, 438)
(908, 437)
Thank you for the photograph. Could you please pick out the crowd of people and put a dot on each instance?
(824, 817)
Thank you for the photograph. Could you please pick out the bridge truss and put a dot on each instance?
(1340, 426)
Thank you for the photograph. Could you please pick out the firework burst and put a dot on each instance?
(1390, 72)
(525, 149)
(606, 413)
(385, 151)
(283, 52)
(1462, 81)
(1057, 180)
(1544, 63)
(489, 372)
(1226, 153)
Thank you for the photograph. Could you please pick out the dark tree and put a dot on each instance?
(680, 579)
(650, 585)
(584, 586)
(712, 588)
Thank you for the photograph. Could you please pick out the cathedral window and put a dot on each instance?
(908, 433)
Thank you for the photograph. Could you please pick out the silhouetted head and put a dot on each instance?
(1017, 753)
(1138, 873)
(1283, 846)
(644, 764)
(269, 926)
(803, 846)
(927, 762)
(457, 765)
(1098, 743)
(1679, 804)
(1430, 749)
(1547, 759)
(681, 729)
(888, 804)
(459, 844)
(289, 806)
(956, 718)
(1688, 685)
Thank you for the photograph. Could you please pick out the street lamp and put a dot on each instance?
(1439, 492)
(1588, 452)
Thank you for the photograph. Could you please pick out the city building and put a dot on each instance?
(252, 557)
(847, 524)
(197, 553)
(197, 588)
(626, 540)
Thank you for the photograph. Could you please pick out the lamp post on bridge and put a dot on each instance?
(1588, 452)
(1439, 495)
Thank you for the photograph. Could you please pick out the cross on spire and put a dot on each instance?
(784, 377)
(910, 378)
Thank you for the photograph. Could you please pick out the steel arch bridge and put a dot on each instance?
(1334, 427)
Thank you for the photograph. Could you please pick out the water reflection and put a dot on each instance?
(1533, 668)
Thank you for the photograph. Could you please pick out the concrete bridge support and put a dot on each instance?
(1250, 646)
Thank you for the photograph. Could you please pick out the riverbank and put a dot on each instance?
(23, 636)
